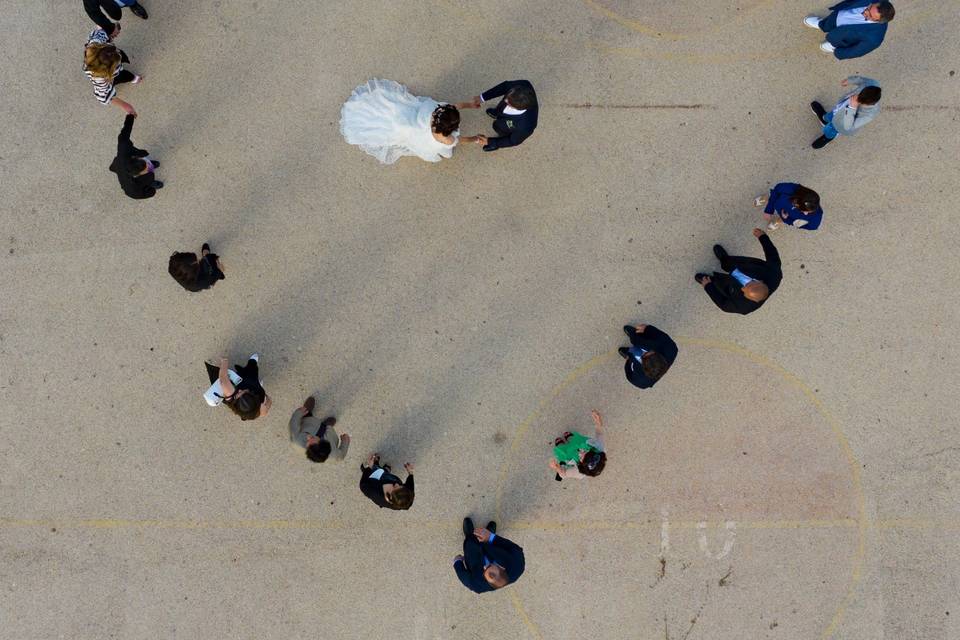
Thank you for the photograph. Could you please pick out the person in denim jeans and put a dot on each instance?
(858, 107)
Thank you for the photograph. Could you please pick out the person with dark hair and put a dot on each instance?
(97, 8)
(239, 388)
(515, 116)
(489, 562)
(134, 167)
(649, 356)
(317, 436)
(577, 456)
(851, 113)
(748, 281)
(854, 27)
(792, 203)
(383, 488)
(195, 274)
(388, 122)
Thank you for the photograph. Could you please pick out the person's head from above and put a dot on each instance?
(869, 95)
(654, 365)
(591, 462)
(184, 267)
(245, 404)
(879, 12)
(101, 60)
(445, 120)
(399, 497)
(317, 450)
(496, 576)
(137, 166)
(521, 98)
(756, 291)
(807, 200)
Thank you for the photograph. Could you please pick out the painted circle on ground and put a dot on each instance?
(746, 473)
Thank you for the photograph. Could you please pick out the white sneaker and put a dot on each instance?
(812, 21)
(774, 225)
(829, 48)
(256, 358)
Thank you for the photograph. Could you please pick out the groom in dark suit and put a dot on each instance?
(514, 117)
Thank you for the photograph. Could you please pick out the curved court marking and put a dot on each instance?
(860, 500)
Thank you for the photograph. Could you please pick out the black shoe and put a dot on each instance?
(468, 527)
(157, 184)
(719, 251)
(156, 163)
(204, 249)
(624, 351)
(627, 329)
(138, 10)
(699, 277)
(821, 142)
(819, 111)
(328, 422)
(492, 526)
(492, 113)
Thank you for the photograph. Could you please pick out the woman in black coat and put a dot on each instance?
(134, 167)
(196, 274)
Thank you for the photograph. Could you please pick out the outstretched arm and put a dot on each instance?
(770, 253)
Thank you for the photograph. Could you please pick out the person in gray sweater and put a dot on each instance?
(317, 436)
(853, 111)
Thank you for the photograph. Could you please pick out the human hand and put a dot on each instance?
(757, 232)
(130, 110)
(481, 140)
(597, 418)
(483, 535)
(844, 82)
(457, 559)
(224, 362)
(477, 102)
(854, 102)
(219, 264)
(116, 30)
(345, 438)
(372, 459)
(706, 280)
(408, 467)
(641, 328)
(555, 466)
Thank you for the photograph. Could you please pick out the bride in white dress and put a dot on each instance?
(387, 121)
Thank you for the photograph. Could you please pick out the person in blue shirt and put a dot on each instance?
(793, 204)
(489, 562)
(854, 28)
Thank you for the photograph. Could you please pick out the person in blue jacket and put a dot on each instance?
(793, 204)
(489, 562)
(854, 28)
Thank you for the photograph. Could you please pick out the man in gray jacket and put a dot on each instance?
(858, 107)
(317, 436)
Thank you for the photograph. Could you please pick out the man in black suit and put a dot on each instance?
(514, 117)
(489, 562)
(748, 281)
(133, 167)
(650, 355)
(97, 8)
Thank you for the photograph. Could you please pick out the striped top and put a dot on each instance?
(103, 88)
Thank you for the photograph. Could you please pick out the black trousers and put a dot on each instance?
(111, 9)
(472, 552)
(123, 76)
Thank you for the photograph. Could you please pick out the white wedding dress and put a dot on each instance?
(389, 122)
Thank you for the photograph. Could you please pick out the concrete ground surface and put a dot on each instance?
(794, 476)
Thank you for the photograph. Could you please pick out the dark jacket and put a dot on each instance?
(92, 7)
(652, 339)
(207, 274)
(780, 203)
(505, 553)
(513, 129)
(724, 289)
(137, 187)
(373, 489)
(852, 40)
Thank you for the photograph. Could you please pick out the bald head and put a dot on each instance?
(755, 291)
(496, 576)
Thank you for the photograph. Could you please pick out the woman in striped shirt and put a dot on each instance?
(103, 64)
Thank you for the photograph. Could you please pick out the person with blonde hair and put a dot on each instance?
(103, 64)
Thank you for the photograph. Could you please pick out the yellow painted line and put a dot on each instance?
(541, 525)
(518, 605)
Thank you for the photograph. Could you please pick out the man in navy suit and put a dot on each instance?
(748, 283)
(489, 562)
(514, 117)
(854, 27)
(650, 355)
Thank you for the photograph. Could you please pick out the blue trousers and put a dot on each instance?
(828, 129)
